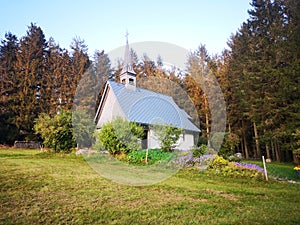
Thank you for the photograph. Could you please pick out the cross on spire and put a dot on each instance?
(127, 68)
(126, 35)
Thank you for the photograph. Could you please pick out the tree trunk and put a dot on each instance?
(273, 150)
(296, 159)
(207, 122)
(268, 152)
(242, 146)
(245, 141)
(257, 147)
(246, 147)
(289, 156)
(239, 149)
(277, 151)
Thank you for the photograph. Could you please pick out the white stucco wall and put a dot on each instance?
(153, 141)
(185, 142)
(110, 110)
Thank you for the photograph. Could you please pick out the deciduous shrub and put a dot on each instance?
(83, 127)
(218, 163)
(56, 132)
(168, 135)
(198, 151)
(120, 136)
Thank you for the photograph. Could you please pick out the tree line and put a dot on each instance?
(258, 75)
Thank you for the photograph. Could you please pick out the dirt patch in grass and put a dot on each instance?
(223, 194)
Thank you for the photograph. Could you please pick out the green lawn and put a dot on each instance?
(64, 189)
(276, 169)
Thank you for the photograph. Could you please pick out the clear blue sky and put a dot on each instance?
(102, 24)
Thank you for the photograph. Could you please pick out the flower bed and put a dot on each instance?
(297, 170)
(248, 166)
(199, 162)
(220, 166)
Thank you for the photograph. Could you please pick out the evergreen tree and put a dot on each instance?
(8, 58)
(91, 85)
(79, 64)
(30, 69)
(263, 79)
(56, 82)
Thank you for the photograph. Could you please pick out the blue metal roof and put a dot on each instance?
(148, 107)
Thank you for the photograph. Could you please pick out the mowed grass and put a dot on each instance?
(277, 169)
(63, 189)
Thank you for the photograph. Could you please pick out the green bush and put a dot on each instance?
(234, 159)
(83, 128)
(230, 142)
(56, 132)
(120, 136)
(218, 163)
(202, 141)
(198, 151)
(138, 157)
(168, 136)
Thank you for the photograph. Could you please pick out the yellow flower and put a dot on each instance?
(297, 168)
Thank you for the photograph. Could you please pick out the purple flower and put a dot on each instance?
(189, 161)
(248, 166)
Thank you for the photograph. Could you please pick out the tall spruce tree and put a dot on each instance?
(30, 69)
(79, 64)
(8, 58)
(58, 69)
(92, 84)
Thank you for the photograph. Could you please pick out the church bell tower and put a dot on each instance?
(128, 76)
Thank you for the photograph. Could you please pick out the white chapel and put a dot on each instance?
(124, 99)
